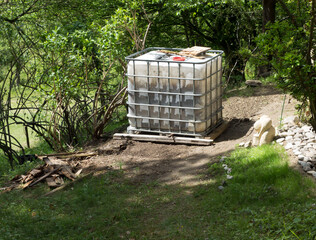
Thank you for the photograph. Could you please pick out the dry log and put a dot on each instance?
(60, 154)
(79, 155)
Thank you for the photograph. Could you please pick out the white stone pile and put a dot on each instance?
(301, 139)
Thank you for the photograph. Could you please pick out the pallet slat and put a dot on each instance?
(165, 139)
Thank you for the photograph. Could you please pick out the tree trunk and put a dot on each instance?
(268, 15)
(268, 12)
(312, 104)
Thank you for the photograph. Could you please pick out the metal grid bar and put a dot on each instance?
(180, 120)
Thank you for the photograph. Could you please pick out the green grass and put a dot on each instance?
(265, 200)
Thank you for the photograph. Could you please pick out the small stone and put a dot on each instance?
(220, 187)
(248, 144)
(288, 138)
(288, 146)
(242, 144)
(311, 172)
(291, 120)
(314, 175)
(310, 154)
(298, 130)
(280, 140)
(290, 133)
(285, 134)
(306, 159)
(229, 176)
(229, 170)
(297, 153)
(222, 159)
(310, 135)
(300, 157)
(307, 166)
(306, 128)
(297, 143)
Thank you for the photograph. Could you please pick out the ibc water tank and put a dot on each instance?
(174, 94)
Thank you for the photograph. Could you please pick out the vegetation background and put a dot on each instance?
(62, 84)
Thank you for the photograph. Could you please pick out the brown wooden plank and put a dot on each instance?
(78, 172)
(67, 172)
(89, 154)
(60, 154)
(164, 139)
(42, 178)
(57, 162)
(47, 161)
(218, 131)
(182, 54)
(196, 50)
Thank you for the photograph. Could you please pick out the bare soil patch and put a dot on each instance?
(183, 164)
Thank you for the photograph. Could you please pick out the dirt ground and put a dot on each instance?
(183, 164)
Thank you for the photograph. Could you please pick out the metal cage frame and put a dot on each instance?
(132, 93)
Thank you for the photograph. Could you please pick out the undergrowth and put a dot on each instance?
(265, 199)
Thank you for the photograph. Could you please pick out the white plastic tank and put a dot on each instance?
(168, 93)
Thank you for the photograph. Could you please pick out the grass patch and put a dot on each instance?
(264, 200)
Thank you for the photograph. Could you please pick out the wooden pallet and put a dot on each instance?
(196, 50)
(206, 141)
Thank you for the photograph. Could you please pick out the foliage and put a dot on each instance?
(266, 199)
(64, 70)
(227, 25)
(289, 44)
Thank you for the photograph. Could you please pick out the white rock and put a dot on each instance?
(310, 154)
(297, 153)
(306, 128)
(248, 144)
(289, 138)
(290, 133)
(297, 143)
(229, 176)
(283, 134)
(288, 146)
(311, 172)
(310, 135)
(300, 157)
(241, 144)
(291, 120)
(280, 140)
(306, 159)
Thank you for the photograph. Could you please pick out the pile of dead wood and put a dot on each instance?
(55, 169)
